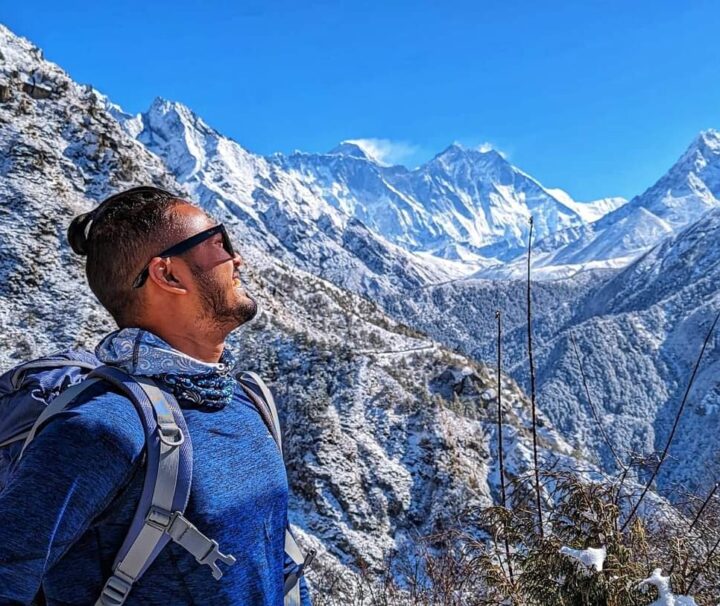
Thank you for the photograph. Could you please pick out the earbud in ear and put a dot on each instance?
(169, 277)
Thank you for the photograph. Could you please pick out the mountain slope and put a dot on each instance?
(638, 333)
(689, 189)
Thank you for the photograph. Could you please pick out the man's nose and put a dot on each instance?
(238, 260)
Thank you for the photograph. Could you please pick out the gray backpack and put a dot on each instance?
(30, 394)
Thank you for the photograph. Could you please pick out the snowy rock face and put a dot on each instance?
(375, 457)
(59, 156)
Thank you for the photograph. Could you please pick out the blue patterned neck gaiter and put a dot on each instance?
(139, 352)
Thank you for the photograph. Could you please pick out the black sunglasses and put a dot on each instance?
(186, 245)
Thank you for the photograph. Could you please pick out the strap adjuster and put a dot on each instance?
(159, 518)
(115, 591)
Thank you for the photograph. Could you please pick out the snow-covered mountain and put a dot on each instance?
(275, 210)
(462, 211)
(461, 198)
(690, 188)
(589, 211)
(388, 435)
(638, 332)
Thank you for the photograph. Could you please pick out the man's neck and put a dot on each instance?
(206, 347)
(204, 350)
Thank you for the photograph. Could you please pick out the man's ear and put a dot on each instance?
(165, 276)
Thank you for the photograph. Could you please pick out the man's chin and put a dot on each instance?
(247, 308)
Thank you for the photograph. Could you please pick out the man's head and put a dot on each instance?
(196, 286)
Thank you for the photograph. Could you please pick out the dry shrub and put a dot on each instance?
(468, 565)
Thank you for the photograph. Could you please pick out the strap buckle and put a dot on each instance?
(206, 551)
(211, 558)
(291, 580)
(307, 561)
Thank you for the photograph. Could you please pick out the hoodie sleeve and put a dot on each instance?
(69, 474)
(304, 593)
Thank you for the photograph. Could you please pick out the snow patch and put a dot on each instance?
(666, 596)
(590, 558)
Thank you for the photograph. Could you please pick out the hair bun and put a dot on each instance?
(77, 233)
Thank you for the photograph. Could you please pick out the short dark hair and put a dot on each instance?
(119, 237)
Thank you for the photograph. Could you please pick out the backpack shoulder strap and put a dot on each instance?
(159, 516)
(57, 405)
(263, 399)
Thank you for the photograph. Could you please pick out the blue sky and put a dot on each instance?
(599, 98)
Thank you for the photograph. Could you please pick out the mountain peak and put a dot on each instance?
(177, 116)
(708, 140)
(451, 152)
(481, 158)
(173, 131)
(9, 38)
(355, 148)
(701, 157)
(161, 106)
(18, 53)
(483, 152)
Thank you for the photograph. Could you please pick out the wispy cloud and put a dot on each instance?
(387, 151)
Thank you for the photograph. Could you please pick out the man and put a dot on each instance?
(72, 496)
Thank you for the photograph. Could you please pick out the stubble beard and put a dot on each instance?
(222, 310)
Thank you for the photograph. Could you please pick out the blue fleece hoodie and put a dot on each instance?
(69, 503)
